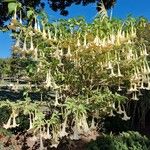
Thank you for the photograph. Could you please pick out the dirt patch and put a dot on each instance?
(25, 141)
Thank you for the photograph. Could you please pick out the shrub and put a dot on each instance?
(124, 141)
(4, 132)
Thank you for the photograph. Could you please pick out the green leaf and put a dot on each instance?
(11, 7)
(30, 13)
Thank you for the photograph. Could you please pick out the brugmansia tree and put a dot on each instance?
(87, 69)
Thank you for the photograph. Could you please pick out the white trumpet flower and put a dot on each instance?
(54, 145)
(120, 111)
(24, 44)
(17, 42)
(61, 52)
(56, 99)
(57, 54)
(8, 124)
(120, 34)
(63, 131)
(137, 70)
(116, 56)
(48, 79)
(75, 135)
(148, 86)
(133, 31)
(93, 124)
(112, 39)
(140, 93)
(147, 66)
(36, 53)
(123, 35)
(141, 52)
(113, 106)
(31, 121)
(48, 136)
(119, 88)
(145, 51)
(41, 141)
(108, 40)
(125, 117)
(69, 52)
(135, 55)
(14, 115)
(111, 113)
(38, 26)
(85, 124)
(104, 42)
(85, 41)
(97, 41)
(131, 87)
(20, 19)
(127, 37)
(136, 75)
(55, 33)
(15, 14)
(44, 35)
(78, 42)
(35, 25)
(142, 85)
(119, 72)
(144, 68)
(109, 65)
(31, 44)
(134, 96)
(118, 38)
(135, 87)
(112, 74)
(54, 85)
(49, 35)
(130, 54)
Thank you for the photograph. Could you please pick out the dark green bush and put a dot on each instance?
(116, 125)
(4, 132)
(124, 141)
(4, 115)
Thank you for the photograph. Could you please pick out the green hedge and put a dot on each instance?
(124, 141)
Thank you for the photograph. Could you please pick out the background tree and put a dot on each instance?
(59, 5)
(55, 5)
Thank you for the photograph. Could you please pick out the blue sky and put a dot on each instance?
(121, 10)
